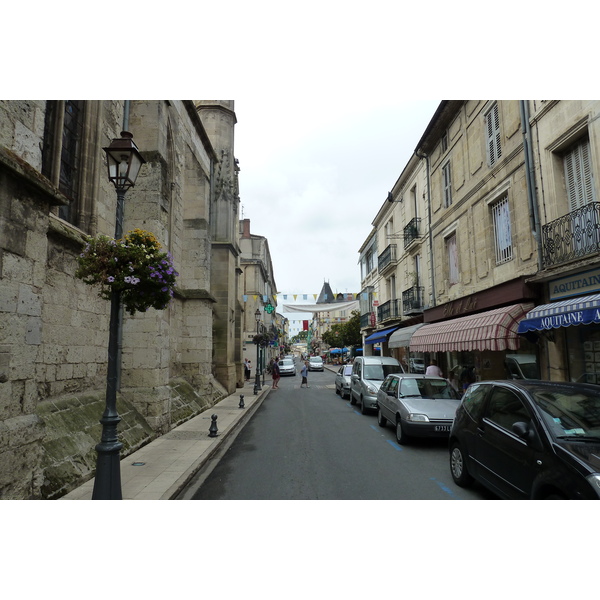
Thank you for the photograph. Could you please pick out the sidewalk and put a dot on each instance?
(162, 468)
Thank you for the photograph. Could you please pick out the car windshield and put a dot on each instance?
(316, 360)
(570, 413)
(380, 372)
(286, 363)
(427, 388)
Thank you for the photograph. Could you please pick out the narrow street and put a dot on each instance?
(309, 444)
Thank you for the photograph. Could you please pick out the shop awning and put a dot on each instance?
(401, 337)
(379, 336)
(575, 311)
(492, 330)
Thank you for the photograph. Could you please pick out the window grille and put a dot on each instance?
(502, 231)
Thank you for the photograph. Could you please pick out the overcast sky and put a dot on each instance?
(314, 173)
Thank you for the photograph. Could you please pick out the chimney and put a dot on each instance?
(246, 228)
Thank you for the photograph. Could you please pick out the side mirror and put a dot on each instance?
(525, 431)
(391, 393)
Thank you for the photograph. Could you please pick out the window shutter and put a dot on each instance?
(494, 148)
(578, 176)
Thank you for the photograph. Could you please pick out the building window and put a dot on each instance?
(369, 261)
(502, 231)
(447, 184)
(452, 254)
(492, 128)
(61, 155)
(578, 175)
(444, 142)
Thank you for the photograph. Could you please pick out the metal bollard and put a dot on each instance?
(213, 429)
(241, 400)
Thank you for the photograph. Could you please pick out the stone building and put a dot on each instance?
(54, 191)
(258, 297)
(512, 238)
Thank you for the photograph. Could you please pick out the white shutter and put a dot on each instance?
(578, 176)
(493, 138)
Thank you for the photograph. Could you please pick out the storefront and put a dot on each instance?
(373, 344)
(571, 330)
(472, 337)
(398, 345)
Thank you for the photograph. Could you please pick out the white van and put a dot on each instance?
(368, 373)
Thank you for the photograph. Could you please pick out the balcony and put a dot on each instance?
(389, 310)
(411, 231)
(573, 235)
(386, 258)
(365, 321)
(413, 301)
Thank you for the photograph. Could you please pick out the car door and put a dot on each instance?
(355, 380)
(388, 397)
(506, 462)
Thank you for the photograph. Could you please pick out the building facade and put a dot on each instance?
(54, 191)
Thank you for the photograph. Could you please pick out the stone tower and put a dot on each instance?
(218, 118)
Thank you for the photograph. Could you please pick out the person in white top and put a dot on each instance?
(433, 369)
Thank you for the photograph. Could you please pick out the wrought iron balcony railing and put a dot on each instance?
(411, 231)
(386, 258)
(389, 310)
(571, 236)
(413, 300)
(365, 320)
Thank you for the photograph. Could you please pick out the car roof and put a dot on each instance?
(533, 384)
(379, 360)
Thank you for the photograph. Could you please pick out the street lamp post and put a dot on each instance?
(257, 386)
(124, 162)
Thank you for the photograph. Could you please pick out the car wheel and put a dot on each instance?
(381, 420)
(363, 409)
(458, 466)
(352, 399)
(401, 436)
(337, 390)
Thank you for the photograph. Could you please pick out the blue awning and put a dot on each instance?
(583, 310)
(379, 336)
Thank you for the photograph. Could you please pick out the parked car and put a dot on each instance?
(342, 381)
(287, 367)
(522, 366)
(315, 363)
(417, 365)
(368, 373)
(417, 405)
(528, 439)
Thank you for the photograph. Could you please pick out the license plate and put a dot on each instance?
(442, 428)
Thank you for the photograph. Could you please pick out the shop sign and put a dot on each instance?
(579, 284)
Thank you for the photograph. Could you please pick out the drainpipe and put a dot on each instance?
(530, 179)
(431, 262)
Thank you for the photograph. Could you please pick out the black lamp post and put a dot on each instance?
(257, 386)
(124, 162)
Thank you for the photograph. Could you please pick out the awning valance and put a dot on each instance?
(492, 330)
(379, 336)
(401, 337)
(575, 311)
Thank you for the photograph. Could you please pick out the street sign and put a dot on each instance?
(269, 308)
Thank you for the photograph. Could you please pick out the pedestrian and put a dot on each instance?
(304, 373)
(247, 369)
(275, 373)
(433, 369)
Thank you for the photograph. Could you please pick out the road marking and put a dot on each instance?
(394, 445)
(445, 488)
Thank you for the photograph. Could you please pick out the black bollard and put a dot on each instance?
(241, 400)
(255, 389)
(213, 429)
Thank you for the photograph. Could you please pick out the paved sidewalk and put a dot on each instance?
(162, 468)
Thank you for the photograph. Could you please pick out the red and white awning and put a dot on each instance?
(492, 330)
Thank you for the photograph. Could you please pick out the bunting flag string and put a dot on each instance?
(347, 297)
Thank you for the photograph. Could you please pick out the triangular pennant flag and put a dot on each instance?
(245, 298)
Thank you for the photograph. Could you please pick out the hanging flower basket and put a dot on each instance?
(135, 266)
(262, 339)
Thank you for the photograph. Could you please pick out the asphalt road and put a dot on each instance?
(309, 444)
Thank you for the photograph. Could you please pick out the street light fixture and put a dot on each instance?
(257, 386)
(124, 162)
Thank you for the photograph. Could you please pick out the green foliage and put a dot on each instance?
(133, 266)
(344, 334)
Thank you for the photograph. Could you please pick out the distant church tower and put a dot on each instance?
(218, 118)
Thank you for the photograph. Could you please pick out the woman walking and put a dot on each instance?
(275, 373)
(304, 373)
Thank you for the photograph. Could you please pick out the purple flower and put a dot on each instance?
(134, 280)
(164, 289)
(110, 279)
(127, 280)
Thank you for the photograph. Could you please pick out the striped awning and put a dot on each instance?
(492, 330)
(583, 310)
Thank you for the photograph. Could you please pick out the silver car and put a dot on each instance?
(315, 363)
(287, 367)
(417, 405)
(342, 381)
